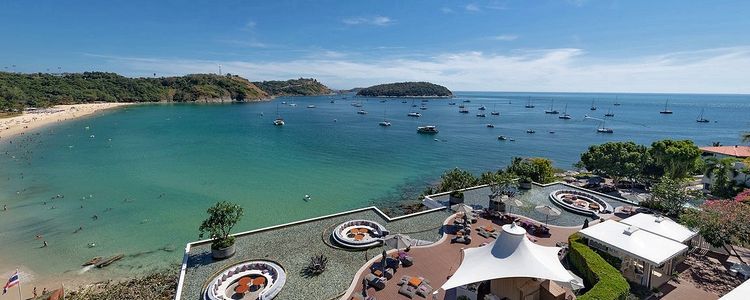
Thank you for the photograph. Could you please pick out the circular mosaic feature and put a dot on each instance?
(359, 234)
(249, 280)
(580, 202)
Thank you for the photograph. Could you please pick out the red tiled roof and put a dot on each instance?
(736, 151)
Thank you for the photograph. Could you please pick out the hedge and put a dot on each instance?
(607, 281)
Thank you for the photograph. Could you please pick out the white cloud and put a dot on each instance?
(250, 25)
(376, 20)
(721, 70)
(505, 37)
(472, 7)
(446, 10)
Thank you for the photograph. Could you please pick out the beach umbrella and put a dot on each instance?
(397, 241)
(510, 202)
(547, 211)
(384, 261)
(462, 208)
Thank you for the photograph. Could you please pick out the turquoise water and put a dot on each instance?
(150, 184)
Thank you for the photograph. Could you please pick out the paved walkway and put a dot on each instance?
(436, 262)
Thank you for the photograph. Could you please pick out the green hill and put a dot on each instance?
(406, 89)
(293, 87)
(41, 90)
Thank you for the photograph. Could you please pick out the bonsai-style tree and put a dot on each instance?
(221, 219)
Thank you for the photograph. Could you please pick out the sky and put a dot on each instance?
(544, 45)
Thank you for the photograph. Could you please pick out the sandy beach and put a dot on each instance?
(33, 119)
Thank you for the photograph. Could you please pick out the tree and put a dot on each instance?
(221, 219)
(722, 223)
(722, 172)
(670, 194)
(500, 182)
(678, 158)
(456, 179)
(615, 159)
(535, 168)
(746, 137)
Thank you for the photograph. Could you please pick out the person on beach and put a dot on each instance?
(5, 207)
(44, 245)
(34, 292)
(44, 291)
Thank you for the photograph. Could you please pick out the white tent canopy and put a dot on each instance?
(660, 225)
(739, 293)
(654, 249)
(511, 255)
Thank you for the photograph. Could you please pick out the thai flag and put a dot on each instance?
(13, 281)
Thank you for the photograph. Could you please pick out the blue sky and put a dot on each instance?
(583, 45)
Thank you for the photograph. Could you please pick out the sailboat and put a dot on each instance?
(617, 103)
(385, 122)
(279, 121)
(565, 115)
(494, 112)
(593, 107)
(609, 113)
(701, 119)
(666, 110)
(552, 110)
(603, 129)
(529, 104)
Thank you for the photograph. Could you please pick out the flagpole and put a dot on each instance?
(19, 285)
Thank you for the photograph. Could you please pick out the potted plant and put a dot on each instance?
(221, 219)
(456, 197)
(524, 182)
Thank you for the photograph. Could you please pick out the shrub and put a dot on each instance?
(604, 280)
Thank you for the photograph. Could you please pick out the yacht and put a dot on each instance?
(565, 115)
(666, 110)
(362, 112)
(502, 137)
(701, 119)
(467, 101)
(529, 104)
(414, 114)
(530, 131)
(463, 110)
(311, 106)
(481, 115)
(609, 113)
(462, 106)
(423, 107)
(482, 107)
(490, 126)
(551, 109)
(593, 107)
(430, 129)
(494, 111)
(604, 129)
(403, 101)
(617, 103)
(292, 104)
(385, 123)
(332, 101)
(451, 103)
(279, 121)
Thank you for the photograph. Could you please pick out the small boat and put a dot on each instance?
(451, 103)
(592, 105)
(292, 104)
(311, 106)
(617, 103)
(279, 121)
(413, 105)
(92, 261)
(609, 113)
(529, 104)
(494, 112)
(565, 115)
(423, 107)
(502, 137)
(530, 131)
(283, 102)
(481, 115)
(385, 123)
(463, 111)
(425, 100)
(362, 112)
(403, 101)
(482, 107)
(109, 261)
(430, 129)
(490, 125)
(357, 104)
(666, 110)
(701, 119)
(382, 101)
(603, 129)
(551, 132)
(467, 101)
(333, 101)
(551, 109)
(512, 139)
(462, 106)
(414, 114)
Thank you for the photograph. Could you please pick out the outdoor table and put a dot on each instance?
(415, 282)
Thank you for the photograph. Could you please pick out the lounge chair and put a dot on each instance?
(424, 290)
(407, 290)
(407, 261)
(389, 273)
(404, 280)
(483, 233)
(375, 282)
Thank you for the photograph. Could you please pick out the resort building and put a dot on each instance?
(647, 258)
(511, 267)
(738, 152)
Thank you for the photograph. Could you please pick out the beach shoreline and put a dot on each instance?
(34, 119)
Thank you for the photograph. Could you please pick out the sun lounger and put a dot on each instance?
(375, 282)
(424, 290)
(483, 233)
(389, 273)
(407, 261)
(407, 291)
(404, 280)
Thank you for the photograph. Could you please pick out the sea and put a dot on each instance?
(138, 180)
